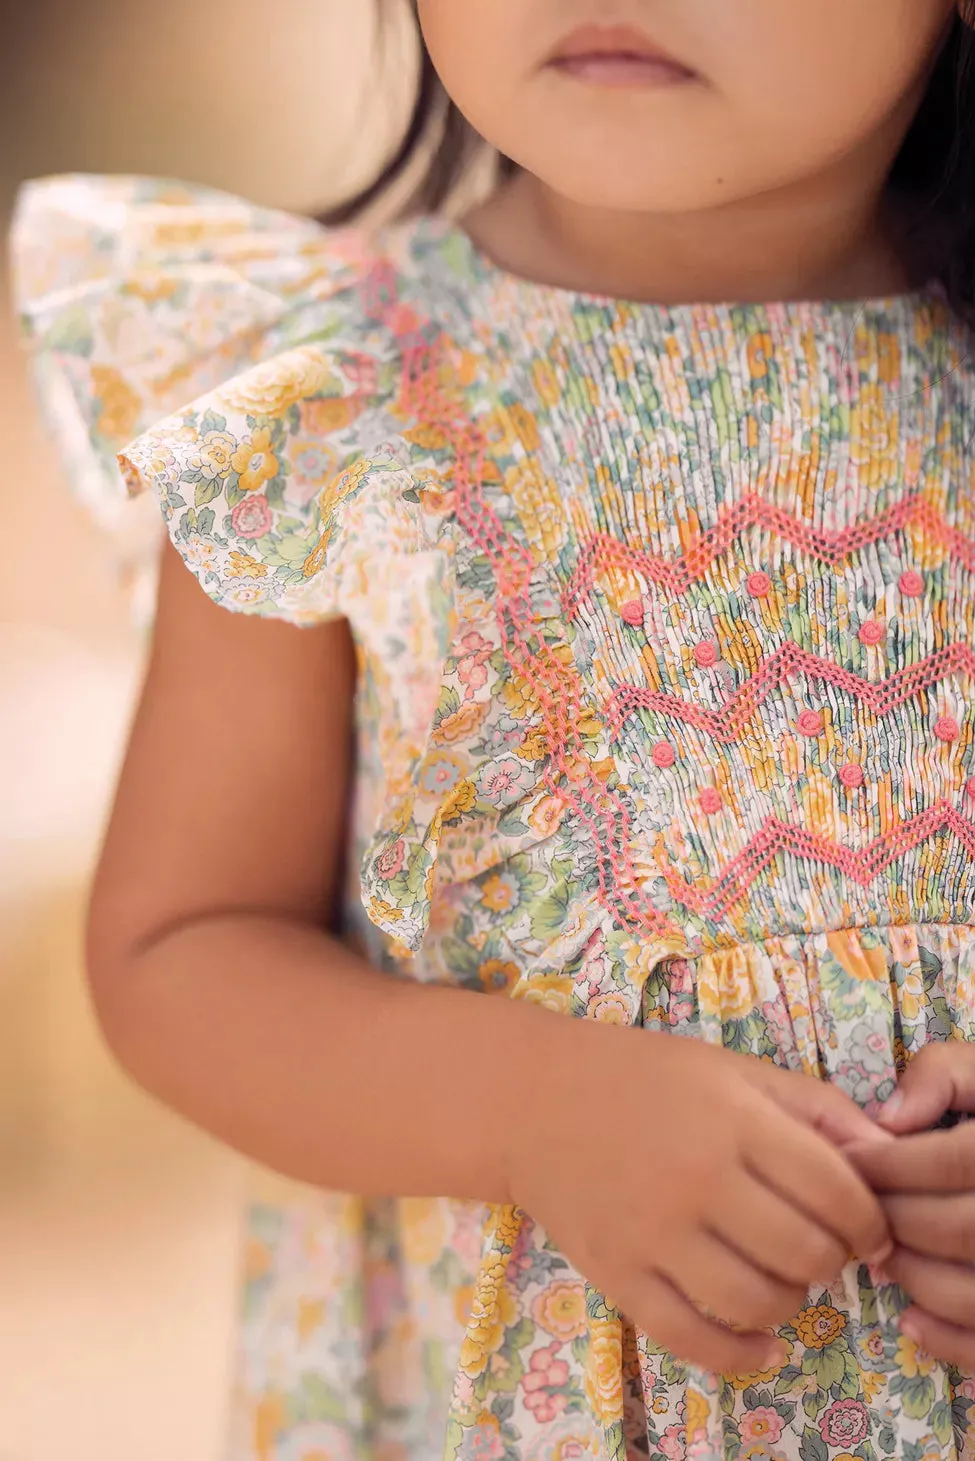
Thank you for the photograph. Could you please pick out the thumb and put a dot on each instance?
(940, 1078)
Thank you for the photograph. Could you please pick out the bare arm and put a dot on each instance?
(214, 977)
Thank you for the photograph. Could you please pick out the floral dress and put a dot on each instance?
(666, 623)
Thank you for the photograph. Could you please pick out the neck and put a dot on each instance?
(825, 237)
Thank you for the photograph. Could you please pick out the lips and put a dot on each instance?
(616, 55)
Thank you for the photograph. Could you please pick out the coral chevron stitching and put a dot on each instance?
(728, 723)
(676, 575)
(775, 836)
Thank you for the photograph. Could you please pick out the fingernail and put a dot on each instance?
(890, 1108)
(908, 1325)
(775, 1357)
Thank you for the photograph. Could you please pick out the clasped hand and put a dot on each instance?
(926, 1181)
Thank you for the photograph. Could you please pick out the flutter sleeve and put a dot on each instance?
(137, 295)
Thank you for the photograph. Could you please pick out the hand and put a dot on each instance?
(681, 1177)
(928, 1186)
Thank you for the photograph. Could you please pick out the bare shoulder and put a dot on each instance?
(234, 792)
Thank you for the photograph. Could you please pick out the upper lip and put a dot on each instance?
(611, 40)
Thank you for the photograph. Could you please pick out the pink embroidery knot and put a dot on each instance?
(810, 723)
(851, 775)
(911, 584)
(706, 654)
(759, 585)
(946, 728)
(711, 801)
(663, 755)
(872, 632)
(632, 612)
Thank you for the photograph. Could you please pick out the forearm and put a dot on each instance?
(287, 1046)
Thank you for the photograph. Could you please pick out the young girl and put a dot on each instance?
(604, 648)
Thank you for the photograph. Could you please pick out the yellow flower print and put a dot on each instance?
(756, 1377)
(214, 457)
(461, 725)
(152, 288)
(535, 746)
(520, 699)
(498, 976)
(459, 801)
(242, 565)
(726, 986)
(118, 418)
(910, 1360)
(873, 434)
(382, 912)
(508, 1222)
(546, 816)
(316, 558)
(257, 1260)
(463, 1302)
(760, 348)
(546, 382)
(493, 1310)
(427, 437)
(696, 1413)
(424, 1229)
(255, 461)
(270, 1421)
(560, 1309)
(604, 1370)
(819, 1326)
(500, 894)
(311, 1313)
(864, 964)
(270, 389)
(612, 1008)
(551, 992)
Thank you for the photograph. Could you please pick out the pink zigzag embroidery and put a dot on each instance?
(676, 575)
(776, 836)
(727, 724)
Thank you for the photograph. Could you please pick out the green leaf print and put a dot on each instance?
(812, 1447)
(940, 1421)
(454, 1440)
(787, 1378)
(828, 1365)
(848, 1386)
(727, 1399)
(317, 1401)
(812, 1404)
(71, 333)
(212, 421)
(887, 1440)
(206, 491)
(918, 1396)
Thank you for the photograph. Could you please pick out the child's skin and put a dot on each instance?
(755, 172)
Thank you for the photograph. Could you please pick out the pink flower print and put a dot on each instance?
(389, 862)
(472, 663)
(545, 1373)
(252, 518)
(673, 1443)
(903, 946)
(761, 1424)
(441, 773)
(362, 372)
(504, 782)
(845, 1424)
(483, 1442)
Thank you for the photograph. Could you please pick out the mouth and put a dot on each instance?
(616, 56)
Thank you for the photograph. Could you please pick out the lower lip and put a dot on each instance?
(622, 70)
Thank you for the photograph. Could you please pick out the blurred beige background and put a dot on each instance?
(117, 1223)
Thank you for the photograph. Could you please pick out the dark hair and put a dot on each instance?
(932, 183)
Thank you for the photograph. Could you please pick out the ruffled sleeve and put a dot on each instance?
(136, 296)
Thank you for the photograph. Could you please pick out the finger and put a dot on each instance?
(825, 1108)
(719, 1279)
(816, 1179)
(776, 1237)
(940, 1078)
(950, 1343)
(938, 1161)
(941, 1226)
(656, 1306)
(946, 1290)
